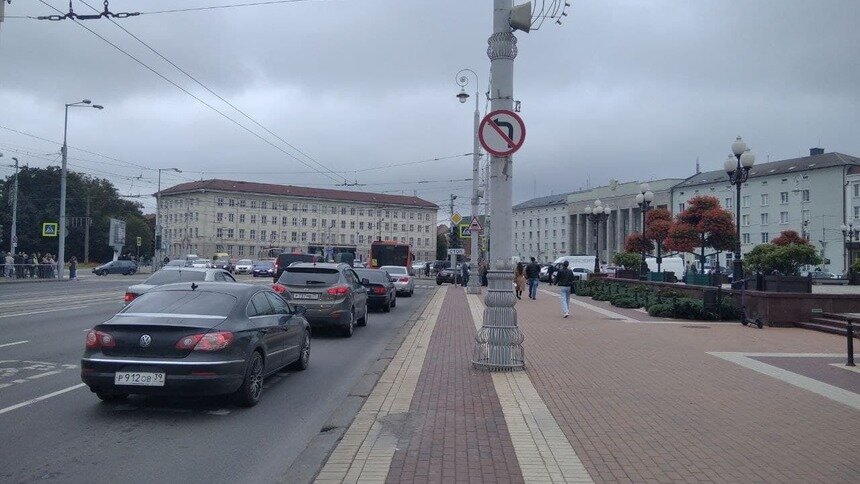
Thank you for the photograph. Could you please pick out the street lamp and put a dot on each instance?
(158, 232)
(644, 199)
(850, 234)
(737, 167)
(474, 285)
(61, 250)
(597, 214)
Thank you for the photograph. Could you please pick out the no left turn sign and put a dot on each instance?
(502, 132)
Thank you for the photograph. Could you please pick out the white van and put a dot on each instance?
(668, 264)
(581, 265)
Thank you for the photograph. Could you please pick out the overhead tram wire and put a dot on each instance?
(198, 99)
(217, 7)
(208, 89)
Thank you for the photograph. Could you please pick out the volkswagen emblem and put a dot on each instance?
(145, 340)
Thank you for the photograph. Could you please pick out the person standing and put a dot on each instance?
(426, 269)
(73, 268)
(532, 274)
(520, 280)
(564, 280)
(464, 273)
(10, 264)
(550, 269)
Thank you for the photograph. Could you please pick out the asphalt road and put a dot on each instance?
(52, 428)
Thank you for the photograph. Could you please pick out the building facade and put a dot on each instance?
(811, 195)
(541, 228)
(245, 219)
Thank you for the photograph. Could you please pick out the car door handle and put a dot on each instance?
(265, 330)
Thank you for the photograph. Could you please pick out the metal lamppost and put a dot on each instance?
(474, 285)
(61, 250)
(158, 231)
(738, 169)
(644, 199)
(850, 234)
(595, 215)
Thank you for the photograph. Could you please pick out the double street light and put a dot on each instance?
(61, 250)
(474, 285)
(850, 233)
(737, 167)
(644, 199)
(598, 213)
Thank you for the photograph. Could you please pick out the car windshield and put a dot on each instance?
(173, 275)
(263, 265)
(304, 276)
(394, 269)
(245, 262)
(201, 261)
(182, 302)
(374, 276)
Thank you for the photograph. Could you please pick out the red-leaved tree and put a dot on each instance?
(703, 224)
(789, 237)
(658, 222)
(637, 244)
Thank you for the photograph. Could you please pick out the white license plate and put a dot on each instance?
(139, 378)
(301, 295)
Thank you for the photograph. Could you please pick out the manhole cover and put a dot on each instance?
(696, 327)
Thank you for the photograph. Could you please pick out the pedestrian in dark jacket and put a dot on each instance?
(549, 271)
(533, 274)
(564, 279)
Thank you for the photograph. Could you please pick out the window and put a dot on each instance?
(352, 238)
(804, 195)
(253, 204)
(284, 220)
(264, 205)
(729, 202)
(304, 236)
(304, 207)
(304, 222)
(314, 208)
(745, 220)
(295, 221)
(313, 236)
(804, 215)
(783, 218)
(745, 201)
(764, 199)
(352, 211)
(783, 197)
(764, 218)
(294, 236)
(745, 238)
(352, 224)
(313, 222)
(232, 202)
(856, 213)
(680, 207)
(263, 219)
(262, 235)
(765, 237)
(219, 217)
(856, 188)
(343, 224)
(241, 233)
(241, 203)
(252, 234)
(219, 233)
(220, 202)
(360, 239)
(230, 233)
(241, 218)
(361, 225)
(241, 250)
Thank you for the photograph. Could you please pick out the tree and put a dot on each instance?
(784, 259)
(658, 222)
(627, 260)
(637, 244)
(441, 247)
(703, 224)
(789, 237)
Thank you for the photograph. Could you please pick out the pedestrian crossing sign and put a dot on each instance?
(49, 229)
(465, 233)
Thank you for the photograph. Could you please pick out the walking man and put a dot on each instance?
(464, 273)
(564, 280)
(532, 274)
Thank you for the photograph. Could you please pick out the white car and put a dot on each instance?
(202, 263)
(402, 279)
(418, 267)
(244, 266)
(169, 275)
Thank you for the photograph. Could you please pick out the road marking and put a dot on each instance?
(596, 309)
(849, 368)
(29, 313)
(815, 386)
(15, 343)
(543, 451)
(47, 373)
(39, 399)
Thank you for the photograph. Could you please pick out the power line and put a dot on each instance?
(216, 7)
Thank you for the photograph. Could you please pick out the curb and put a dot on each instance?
(310, 461)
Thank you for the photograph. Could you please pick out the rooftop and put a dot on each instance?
(781, 167)
(216, 185)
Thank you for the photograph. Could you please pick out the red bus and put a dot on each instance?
(388, 253)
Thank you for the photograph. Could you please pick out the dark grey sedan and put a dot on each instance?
(381, 293)
(203, 338)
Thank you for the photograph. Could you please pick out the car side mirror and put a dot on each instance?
(300, 310)
(365, 281)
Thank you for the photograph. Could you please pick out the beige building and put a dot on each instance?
(245, 219)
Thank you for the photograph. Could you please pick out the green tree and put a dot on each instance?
(627, 260)
(784, 259)
(441, 247)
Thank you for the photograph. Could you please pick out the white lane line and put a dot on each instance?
(13, 344)
(28, 313)
(39, 399)
(47, 373)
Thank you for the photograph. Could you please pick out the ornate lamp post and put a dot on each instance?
(850, 234)
(644, 199)
(738, 169)
(474, 285)
(595, 215)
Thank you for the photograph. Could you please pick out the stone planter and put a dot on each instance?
(627, 274)
(787, 284)
(662, 277)
(703, 279)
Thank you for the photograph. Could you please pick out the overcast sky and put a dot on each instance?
(624, 89)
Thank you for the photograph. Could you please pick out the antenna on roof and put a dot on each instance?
(698, 168)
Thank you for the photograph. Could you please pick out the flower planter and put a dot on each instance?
(703, 279)
(787, 284)
(627, 274)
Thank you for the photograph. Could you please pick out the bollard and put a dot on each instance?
(850, 333)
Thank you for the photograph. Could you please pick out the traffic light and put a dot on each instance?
(156, 243)
(455, 236)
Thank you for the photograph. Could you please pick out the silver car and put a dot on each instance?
(244, 266)
(169, 275)
(402, 278)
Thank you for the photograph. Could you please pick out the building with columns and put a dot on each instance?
(244, 219)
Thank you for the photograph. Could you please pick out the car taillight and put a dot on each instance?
(404, 279)
(129, 297)
(338, 290)
(279, 288)
(99, 339)
(205, 341)
(379, 290)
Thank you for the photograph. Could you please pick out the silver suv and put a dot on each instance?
(332, 293)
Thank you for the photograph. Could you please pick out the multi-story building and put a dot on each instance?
(540, 228)
(245, 218)
(810, 195)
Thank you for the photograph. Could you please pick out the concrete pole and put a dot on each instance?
(498, 344)
(474, 286)
(13, 236)
(87, 233)
(61, 249)
(156, 255)
(452, 258)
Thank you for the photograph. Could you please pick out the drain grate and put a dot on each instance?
(697, 327)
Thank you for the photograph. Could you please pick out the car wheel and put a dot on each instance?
(251, 390)
(394, 301)
(438, 283)
(363, 321)
(386, 308)
(411, 292)
(349, 329)
(305, 355)
(111, 396)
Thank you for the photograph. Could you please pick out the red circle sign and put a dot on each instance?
(502, 132)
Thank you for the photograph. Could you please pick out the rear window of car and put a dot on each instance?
(394, 269)
(172, 275)
(309, 276)
(377, 277)
(182, 302)
(285, 260)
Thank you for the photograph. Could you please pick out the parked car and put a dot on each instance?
(224, 263)
(438, 265)
(178, 263)
(202, 263)
(196, 339)
(244, 266)
(332, 293)
(124, 267)
(404, 281)
(447, 275)
(263, 268)
(170, 275)
(285, 259)
(357, 264)
(381, 293)
(418, 267)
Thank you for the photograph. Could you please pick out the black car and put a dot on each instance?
(124, 267)
(263, 269)
(447, 275)
(203, 338)
(223, 264)
(284, 260)
(381, 293)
